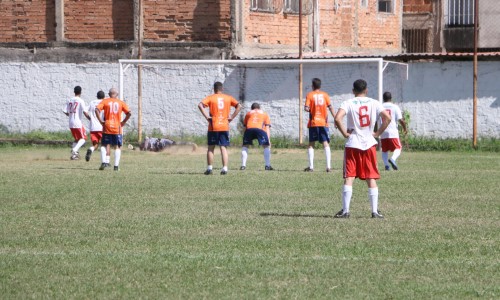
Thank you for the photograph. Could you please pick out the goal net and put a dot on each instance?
(172, 89)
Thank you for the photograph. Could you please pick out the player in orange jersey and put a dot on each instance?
(218, 118)
(112, 108)
(317, 103)
(257, 124)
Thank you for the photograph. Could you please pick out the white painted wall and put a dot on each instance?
(438, 95)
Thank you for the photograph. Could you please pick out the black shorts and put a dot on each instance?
(255, 133)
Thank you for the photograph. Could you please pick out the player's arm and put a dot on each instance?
(307, 108)
(386, 120)
(127, 116)
(339, 124)
(402, 122)
(86, 114)
(201, 107)
(98, 115)
(235, 113)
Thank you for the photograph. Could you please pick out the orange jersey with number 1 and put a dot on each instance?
(256, 118)
(113, 109)
(220, 108)
(318, 103)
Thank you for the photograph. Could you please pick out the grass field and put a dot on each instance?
(161, 229)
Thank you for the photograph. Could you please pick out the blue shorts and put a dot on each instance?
(218, 138)
(112, 139)
(319, 134)
(255, 133)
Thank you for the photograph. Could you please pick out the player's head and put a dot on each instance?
(387, 97)
(100, 95)
(316, 83)
(77, 90)
(359, 87)
(113, 92)
(218, 86)
(255, 105)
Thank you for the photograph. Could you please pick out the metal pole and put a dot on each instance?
(139, 77)
(301, 114)
(474, 84)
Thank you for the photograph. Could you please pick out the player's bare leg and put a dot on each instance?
(373, 197)
(225, 159)
(210, 159)
(328, 156)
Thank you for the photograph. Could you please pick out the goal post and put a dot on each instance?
(268, 80)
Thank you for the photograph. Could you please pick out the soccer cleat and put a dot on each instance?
(328, 170)
(87, 156)
(75, 156)
(116, 168)
(269, 168)
(393, 164)
(208, 172)
(243, 168)
(308, 169)
(377, 215)
(223, 172)
(342, 215)
(103, 166)
(387, 168)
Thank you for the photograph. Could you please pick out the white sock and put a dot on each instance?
(244, 156)
(373, 196)
(78, 145)
(92, 148)
(267, 156)
(385, 158)
(118, 154)
(328, 156)
(209, 167)
(103, 154)
(224, 168)
(396, 154)
(108, 158)
(346, 197)
(310, 153)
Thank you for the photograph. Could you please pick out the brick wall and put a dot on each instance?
(188, 20)
(27, 21)
(417, 6)
(379, 30)
(99, 20)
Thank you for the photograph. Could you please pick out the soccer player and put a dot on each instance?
(360, 154)
(257, 124)
(317, 103)
(75, 109)
(219, 106)
(95, 125)
(112, 126)
(390, 138)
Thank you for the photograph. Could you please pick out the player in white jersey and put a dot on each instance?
(95, 126)
(360, 154)
(75, 109)
(389, 140)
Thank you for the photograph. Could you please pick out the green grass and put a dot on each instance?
(161, 229)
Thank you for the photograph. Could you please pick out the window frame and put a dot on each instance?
(389, 2)
(254, 6)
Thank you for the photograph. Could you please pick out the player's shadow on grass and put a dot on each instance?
(75, 168)
(293, 215)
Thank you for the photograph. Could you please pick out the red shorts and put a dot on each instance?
(95, 136)
(361, 163)
(390, 144)
(78, 133)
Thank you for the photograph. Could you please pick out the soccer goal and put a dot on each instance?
(172, 89)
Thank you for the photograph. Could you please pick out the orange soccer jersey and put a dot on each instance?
(220, 108)
(113, 109)
(256, 118)
(318, 103)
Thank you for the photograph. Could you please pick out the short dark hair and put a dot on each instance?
(316, 82)
(77, 90)
(100, 95)
(218, 86)
(359, 86)
(387, 96)
(255, 105)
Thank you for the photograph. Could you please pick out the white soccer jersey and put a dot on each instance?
(392, 130)
(94, 123)
(361, 114)
(75, 108)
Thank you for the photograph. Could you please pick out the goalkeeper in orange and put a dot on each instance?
(257, 124)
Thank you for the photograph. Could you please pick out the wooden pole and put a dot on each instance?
(474, 84)
(139, 76)
(301, 114)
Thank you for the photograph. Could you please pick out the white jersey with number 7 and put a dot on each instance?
(362, 114)
(75, 108)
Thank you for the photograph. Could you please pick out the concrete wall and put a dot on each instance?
(438, 96)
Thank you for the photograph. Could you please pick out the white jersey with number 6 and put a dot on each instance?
(94, 123)
(75, 108)
(392, 130)
(361, 115)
